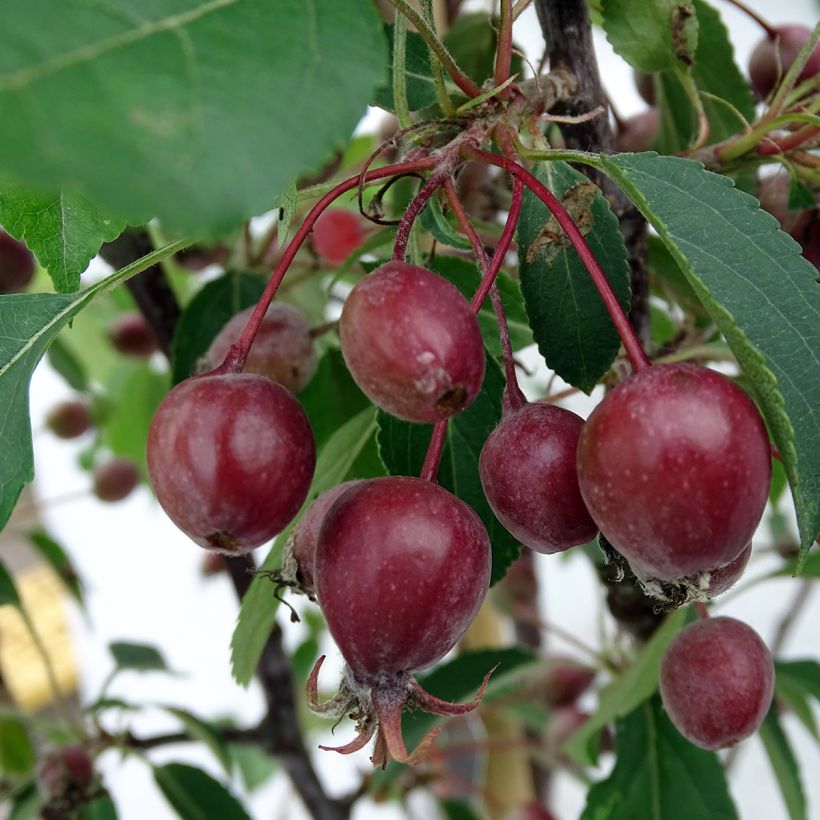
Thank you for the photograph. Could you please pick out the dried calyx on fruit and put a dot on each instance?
(402, 567)
(412, 343)
(283, 349)
(230, 458)
(670, 440)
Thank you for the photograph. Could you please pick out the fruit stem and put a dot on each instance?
(432, 458)
(630, 341)
(703, 612)
(780, 146)
(503, 51)
(238, 353)
(767, 27)
(513, 397)
(415, 207)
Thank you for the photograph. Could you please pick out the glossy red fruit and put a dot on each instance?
(528, 472)
(674, 466)
(132, 336)
(638, 133)
(69, 419)
(402, 567)
(231, 459)
(66, 769)
(412, 343)
(336, 234)
(772, 58)
(305, 536)
(17, 265)
(717, 680)
(725, 577)
(283, 349)
(115, 479)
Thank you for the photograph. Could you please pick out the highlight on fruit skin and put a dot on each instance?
(674, 466)
(717, 682)
(402, 568)
(231, 458)
(412, 343)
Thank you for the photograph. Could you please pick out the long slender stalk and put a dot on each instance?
(503, 50)
(400, 72)
(415, 207)
(633, 348)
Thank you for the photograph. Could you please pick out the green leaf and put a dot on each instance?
(456, 681)
(102, 808)
(659, 775)
(255, 766)
(68, 365)
(27, 804)
(56, 557)
(651, 35)
(759, 291)
(472, 41)
(456, 810)
(207, 313)
(28, 324)
(403, 445)
(64, 230)
(434, 221)
(139, 657)
(8, 591)
(141, 111)
(203, 732)
(797, 684)
(421, 89)
(573, 330)
(257, 614)
(623, 694)
(195, 795)
(16, 749)
(784, 764)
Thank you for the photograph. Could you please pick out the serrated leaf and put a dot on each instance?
(659, 775)
(141, 111)
(56, 557)
(16, 749)
(651, 35)
(757, 288)
(403, 445)
(570, 324)
(8, 591)
(64, 230)
(421, 88)
(28, 324)
(203, 732)
(625, 693)
(139, 657)
(784, 764)
(257, 614)
(206, 314)
(195, 795)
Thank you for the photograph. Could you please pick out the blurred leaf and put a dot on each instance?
(797, 684)
(659, 775)
(623, 694)
(257, 613)
(101, 808)
(139, 657)
(403, 446)
(471, 39)
(784, 764)
(16, 749)
(63, 360)
(8, 591)
(64, 230)
(421, 89)
(574, 332)
(207, 313)
(195, 795)
(27, 804)
(56, 557)
(255, 766)
(141, 111)
(759, 291)
(204, 733)
(457, 810)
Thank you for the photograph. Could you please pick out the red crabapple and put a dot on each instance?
(115, 479)
(131, 335)
(638, 133)
(772, 58)
(69, 419)
(336, 234)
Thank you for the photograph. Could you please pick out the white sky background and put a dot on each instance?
(144, 584)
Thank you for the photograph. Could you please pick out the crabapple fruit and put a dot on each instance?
(528, 472)
(772, 58)
(17, 264)
(283, 349)
(716, 682)
(336, 234)
(230, 458)
(131, 335)
(565, 680)
(115, 479)
(412, 343)
(65, 769)
(638, 133)
(725, 577)
(69, 419)
(674, 466)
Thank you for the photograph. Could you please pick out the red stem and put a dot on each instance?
(238, 353)
(703, 612)
(514, 398)
(630, 341)
(795, 140)
(503, 51)
(432, 458)
(415, 207)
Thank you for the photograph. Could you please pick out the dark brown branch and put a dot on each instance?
(256, 736)
(150, 289)
(568, 36)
